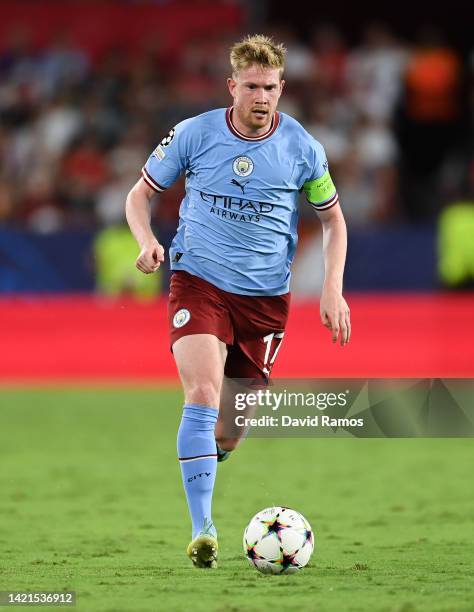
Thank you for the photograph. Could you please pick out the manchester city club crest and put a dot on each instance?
(181, 318)
(243, 166)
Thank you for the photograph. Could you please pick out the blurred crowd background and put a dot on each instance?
(78, 120)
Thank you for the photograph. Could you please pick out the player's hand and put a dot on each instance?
(335, 315)
(150, 258)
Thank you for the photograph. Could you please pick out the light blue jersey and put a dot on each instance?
(238, 219)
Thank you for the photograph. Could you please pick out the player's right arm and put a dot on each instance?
(162, 168)
(137, 209)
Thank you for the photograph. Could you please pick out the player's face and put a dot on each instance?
(256, 92)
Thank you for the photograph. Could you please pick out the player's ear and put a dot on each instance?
(231, 84)
(282, 84)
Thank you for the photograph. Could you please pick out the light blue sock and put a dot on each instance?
(198, 459)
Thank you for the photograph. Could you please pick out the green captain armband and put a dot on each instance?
(319, 190)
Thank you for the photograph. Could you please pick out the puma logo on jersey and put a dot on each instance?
(241, 185)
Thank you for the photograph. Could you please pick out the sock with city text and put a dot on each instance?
(198, 460)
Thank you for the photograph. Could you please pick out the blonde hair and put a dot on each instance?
(257, 49)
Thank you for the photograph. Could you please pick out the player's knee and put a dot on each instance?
(204, 393)
(227, 444)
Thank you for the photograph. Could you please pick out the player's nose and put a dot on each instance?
(261, 97)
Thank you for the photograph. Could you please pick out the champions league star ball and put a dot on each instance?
(278, 541)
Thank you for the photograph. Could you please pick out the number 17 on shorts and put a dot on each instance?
(272, 346)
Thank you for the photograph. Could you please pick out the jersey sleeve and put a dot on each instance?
(319, 188)
(169, 159)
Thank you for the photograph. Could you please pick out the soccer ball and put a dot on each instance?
(278, 541)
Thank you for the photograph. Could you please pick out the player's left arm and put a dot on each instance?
(335, 314)
(322, 195)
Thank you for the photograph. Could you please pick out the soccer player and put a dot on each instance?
(229, 295)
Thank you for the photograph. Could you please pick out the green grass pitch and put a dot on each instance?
(91, 500)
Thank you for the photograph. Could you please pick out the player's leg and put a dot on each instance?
(228, 433)
(200, 329)
(259, 324)
(244, 375)
(200, 360)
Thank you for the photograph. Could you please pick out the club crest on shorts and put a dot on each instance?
(181, 318)
(243, 166)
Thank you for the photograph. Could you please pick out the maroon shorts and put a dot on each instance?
(252, 327)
